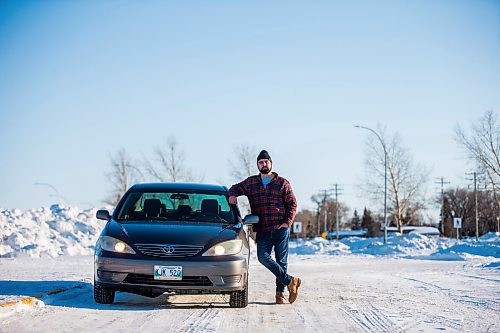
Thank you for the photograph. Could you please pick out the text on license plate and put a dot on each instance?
(168, 272)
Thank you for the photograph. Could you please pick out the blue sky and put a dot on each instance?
(81, 79)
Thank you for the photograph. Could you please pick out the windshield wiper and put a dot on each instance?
(185, 218)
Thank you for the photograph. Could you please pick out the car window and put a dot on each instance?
(178, 206)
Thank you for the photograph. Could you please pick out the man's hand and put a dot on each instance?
(233, 200)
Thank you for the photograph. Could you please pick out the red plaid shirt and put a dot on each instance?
(275, 204)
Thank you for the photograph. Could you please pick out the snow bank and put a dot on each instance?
(397, 245)
(48, 232)
(318, 245)
(408, 245)
(60, 230)
(488, 246)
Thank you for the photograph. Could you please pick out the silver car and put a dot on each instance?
(172, 237)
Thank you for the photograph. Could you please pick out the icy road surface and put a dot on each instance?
(338, 294)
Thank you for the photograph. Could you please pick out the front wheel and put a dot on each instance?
(239, 299)
(103, 295)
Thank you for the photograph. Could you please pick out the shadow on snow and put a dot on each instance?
(80, 294)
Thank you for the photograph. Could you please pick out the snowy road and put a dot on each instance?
(339, 294)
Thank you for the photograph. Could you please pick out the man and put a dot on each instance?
(272, 199)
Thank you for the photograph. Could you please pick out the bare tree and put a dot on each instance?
(482, 146)
(168, 165)
(320, 199)
(405, 179)
(330, 211)
(122, 175)
(245, 164)
(459, 202)
(308, 222)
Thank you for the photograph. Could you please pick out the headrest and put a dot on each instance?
(184, 209)
(152, 207)
(210, 206)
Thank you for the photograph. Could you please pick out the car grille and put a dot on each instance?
(168, 250)
(188, 281)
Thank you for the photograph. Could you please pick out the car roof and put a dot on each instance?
(179, 187)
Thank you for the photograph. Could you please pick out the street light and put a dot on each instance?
(385, 177)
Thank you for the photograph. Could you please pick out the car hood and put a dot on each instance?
(186, 233)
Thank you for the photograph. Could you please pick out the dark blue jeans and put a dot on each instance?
(278, 239)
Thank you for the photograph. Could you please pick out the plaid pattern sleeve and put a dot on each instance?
(275, 204)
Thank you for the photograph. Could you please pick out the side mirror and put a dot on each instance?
(103, 214)
(251, 219)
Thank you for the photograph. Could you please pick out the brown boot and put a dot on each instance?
(280, 298)
(293, 289)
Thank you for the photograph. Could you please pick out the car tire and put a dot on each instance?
(239, 299)
(103, 295)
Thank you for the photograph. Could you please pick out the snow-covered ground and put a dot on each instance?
(411, 284)
(347, 293)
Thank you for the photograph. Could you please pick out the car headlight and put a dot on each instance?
(115, 245)
(225, 248)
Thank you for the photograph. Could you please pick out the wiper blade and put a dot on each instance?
(185, 218)
(214, 217)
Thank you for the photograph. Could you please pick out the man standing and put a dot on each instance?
(272, 199)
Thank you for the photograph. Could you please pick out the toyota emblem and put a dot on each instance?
(169, 249)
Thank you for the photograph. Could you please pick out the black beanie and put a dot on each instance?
(264, 155)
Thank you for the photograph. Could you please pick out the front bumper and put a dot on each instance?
(203, 276)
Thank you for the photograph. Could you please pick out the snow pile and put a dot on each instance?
(48, 232)
(488, 246)
(318, 245)
(408, 245)
(397, 245)
(60, 230)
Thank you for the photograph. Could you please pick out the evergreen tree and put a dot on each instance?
(356, 221)
(372, 227)
(367, 219)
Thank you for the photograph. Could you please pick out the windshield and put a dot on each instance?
(176, 206)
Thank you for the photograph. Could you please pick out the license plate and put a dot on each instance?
(168, 273)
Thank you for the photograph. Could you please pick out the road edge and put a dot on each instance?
(30, 299)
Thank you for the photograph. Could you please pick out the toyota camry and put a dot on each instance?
(173, 237)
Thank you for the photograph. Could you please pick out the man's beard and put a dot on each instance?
(265, 170)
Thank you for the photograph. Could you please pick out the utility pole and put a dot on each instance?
(324, 194)
(475, 203)
(319, 231)
(475, 206)
(442, 182)
(337, 189)
(325, 220)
